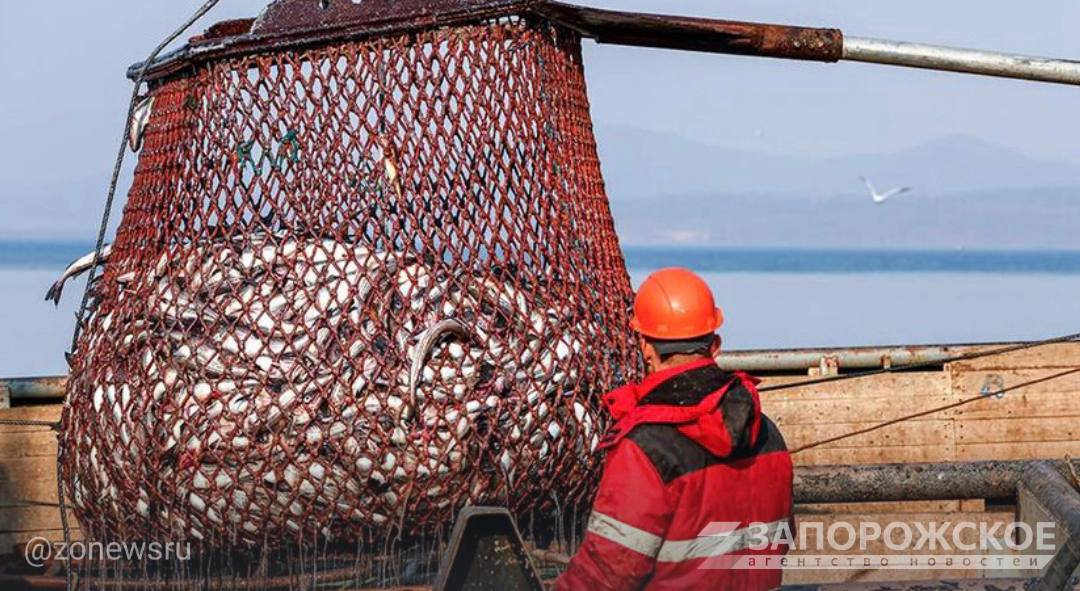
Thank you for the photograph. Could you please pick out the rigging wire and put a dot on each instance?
(109, 201)
(931, 411)
(924, 364)
(118, 164)
(1027, 345)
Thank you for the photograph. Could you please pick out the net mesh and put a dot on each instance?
(355, 288)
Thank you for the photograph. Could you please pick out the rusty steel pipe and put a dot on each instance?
(908, 482)
(697, 34)
(800, 43)
(36, 388)
(845, 357)
(293, 24)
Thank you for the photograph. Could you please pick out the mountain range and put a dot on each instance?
(967, 193)
(668, 190)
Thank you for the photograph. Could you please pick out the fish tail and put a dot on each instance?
(54, 293)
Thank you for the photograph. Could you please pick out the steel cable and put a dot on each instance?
(924, 413)
(924, 364)
(109, 204)
(118, 164)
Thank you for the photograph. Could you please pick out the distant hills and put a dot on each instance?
(669, 190)
(969, 193)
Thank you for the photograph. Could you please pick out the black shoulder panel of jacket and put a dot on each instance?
(675, 455)
(688, 388)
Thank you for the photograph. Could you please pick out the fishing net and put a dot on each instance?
(355, 288)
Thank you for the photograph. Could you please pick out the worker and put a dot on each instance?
(696, 477)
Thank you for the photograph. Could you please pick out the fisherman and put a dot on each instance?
(696, 477)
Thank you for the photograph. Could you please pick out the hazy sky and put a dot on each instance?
(64, 91)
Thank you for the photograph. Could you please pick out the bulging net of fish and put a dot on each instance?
(355, 289)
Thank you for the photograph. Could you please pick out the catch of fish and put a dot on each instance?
(273, 385)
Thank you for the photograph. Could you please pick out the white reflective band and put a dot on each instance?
(624, 534)
(708, 546)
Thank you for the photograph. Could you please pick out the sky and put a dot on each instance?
(64, 91)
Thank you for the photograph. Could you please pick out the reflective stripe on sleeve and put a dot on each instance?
(624, 534)
(703, 546)
(709, 546)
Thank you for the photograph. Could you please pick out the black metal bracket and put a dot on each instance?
(486, 553)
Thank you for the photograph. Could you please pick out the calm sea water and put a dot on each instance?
(853, 261)
(771, 298)
(56, 255)
(40, 255)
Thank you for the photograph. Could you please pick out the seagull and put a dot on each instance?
(880, 198)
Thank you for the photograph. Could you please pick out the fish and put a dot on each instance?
(76, 268)
(140, 118)
(302, 365)
(426, 342)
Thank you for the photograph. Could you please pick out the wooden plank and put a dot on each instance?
(825, 456)
(29, 491)
(28, 441)
(27, 444)
(1029, 450)
(1031, 403)
(852, 410)
(29, 519)
(973, 505)
(879, 386)
(1060, 355)
(913, 433)
(889, 507)
(1047, 399)
(1017, 430)
(971, 382)
(38, 412)
(21, 470)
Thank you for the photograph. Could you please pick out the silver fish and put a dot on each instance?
(140, 118)
(427, 341)
(76, 268)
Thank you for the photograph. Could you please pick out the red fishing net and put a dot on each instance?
(355, 288)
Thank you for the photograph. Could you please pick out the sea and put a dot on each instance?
(772, 298)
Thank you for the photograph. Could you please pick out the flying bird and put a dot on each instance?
(880, 198)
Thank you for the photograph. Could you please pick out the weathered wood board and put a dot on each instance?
(1039, 421)
(1042, 421)
(28, 491)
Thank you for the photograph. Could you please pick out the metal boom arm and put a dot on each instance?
(802, 43)
(291, 24)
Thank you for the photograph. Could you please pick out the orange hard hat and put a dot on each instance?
(675, 304)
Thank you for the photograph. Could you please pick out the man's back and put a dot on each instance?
(695, 473)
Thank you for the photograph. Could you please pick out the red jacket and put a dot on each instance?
(694, 472)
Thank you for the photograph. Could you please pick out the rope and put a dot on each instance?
(1072, 472)
(923, 364)
(205, 8)
(103, 228)
(930, 412)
